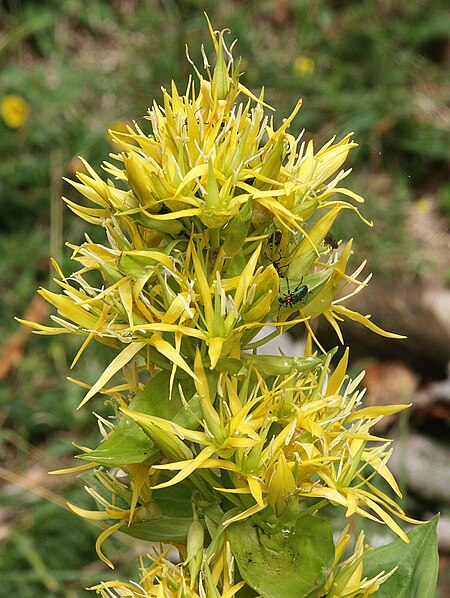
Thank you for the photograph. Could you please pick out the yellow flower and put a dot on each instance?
(164, 579)
(303, 66)
(346, 580)
(14, 111)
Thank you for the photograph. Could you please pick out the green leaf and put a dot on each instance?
(417, 562)
(174, 501)
(137, 263)
(236, 264)
(292, 564)
(154, 400)
(128, 443)
(237, 229)
(164, 529)
(175, 506)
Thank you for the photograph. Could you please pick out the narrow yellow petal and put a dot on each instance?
(376, 411)
(203, 287)
(247, 513)
(245, 490)
(352, 504)
(256, 490)
(126, 297)
(168, 351)
(102, 537)
(215, 345)
(338, 376)
(246, 276)
(86, 514)
(167, 426)
(387, 519)
(201, 382)
(70, 310)
(75, 469)
(117, 364)
(188, 467)
(42, 329)
(365, 321)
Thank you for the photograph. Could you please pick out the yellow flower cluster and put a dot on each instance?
(218, 224)
(214, 217)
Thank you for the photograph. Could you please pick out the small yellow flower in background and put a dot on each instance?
(14, 110)
(303, 66)
(423, 205)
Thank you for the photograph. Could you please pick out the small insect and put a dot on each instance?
(290, 298)
(331, 241)
(275, 238)
(276, 263)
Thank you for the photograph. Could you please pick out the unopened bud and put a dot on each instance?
(195, 539)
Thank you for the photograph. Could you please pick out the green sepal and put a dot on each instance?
(233, 366)
(136, 263)
(316, 283)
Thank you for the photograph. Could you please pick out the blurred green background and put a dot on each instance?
(71, 69)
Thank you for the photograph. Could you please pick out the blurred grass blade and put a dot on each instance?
(24, 30)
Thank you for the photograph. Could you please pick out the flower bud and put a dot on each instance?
(279, 365)
(220, 75)
(195, 539)
(139, 173)
(174, 448)
(307, 252)
(266, 285)
(236, 230)
(281, 484)
(272, 164)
